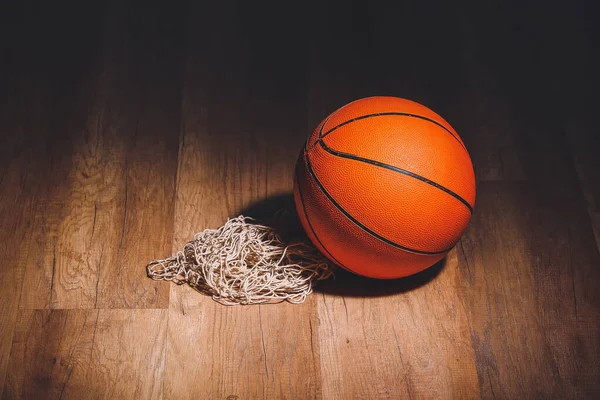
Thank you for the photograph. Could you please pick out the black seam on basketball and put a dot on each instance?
(322, 135)
(396, 169)
(308, 219)
(360, 225)
(323, 126)
(320, 131)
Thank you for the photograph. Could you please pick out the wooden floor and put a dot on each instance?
(126, 127)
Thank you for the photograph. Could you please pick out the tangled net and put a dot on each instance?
(244, 262)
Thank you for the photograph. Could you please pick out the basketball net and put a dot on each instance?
(244, 262)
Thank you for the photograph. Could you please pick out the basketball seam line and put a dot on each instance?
(311, 227)
(395, 169)
(322, 135)
(320, 131)
(359, 224)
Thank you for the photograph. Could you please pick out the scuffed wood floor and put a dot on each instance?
(126, 127)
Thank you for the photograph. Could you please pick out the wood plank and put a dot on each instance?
(241, 138)
(88, 354)
(396, 339)
(524, 259)
(17, 204)
(112, 163)
(386, 339)
(30, 102)
(529, 271)
(215, 351)
(584, 142)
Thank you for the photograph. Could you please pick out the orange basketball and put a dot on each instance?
(384, 187)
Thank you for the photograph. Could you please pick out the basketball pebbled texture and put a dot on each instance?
(384, 187)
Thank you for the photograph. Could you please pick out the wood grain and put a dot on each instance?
(248, 352)
(28, 106)
(18, 200)
(529, 267)
(391, 343)
(378, 339)
(88, 354)
(122, 128)
(583, 142)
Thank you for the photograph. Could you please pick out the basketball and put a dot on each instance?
(384, 187)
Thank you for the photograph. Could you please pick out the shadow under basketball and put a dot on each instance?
(351, 285)
(344, 283)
